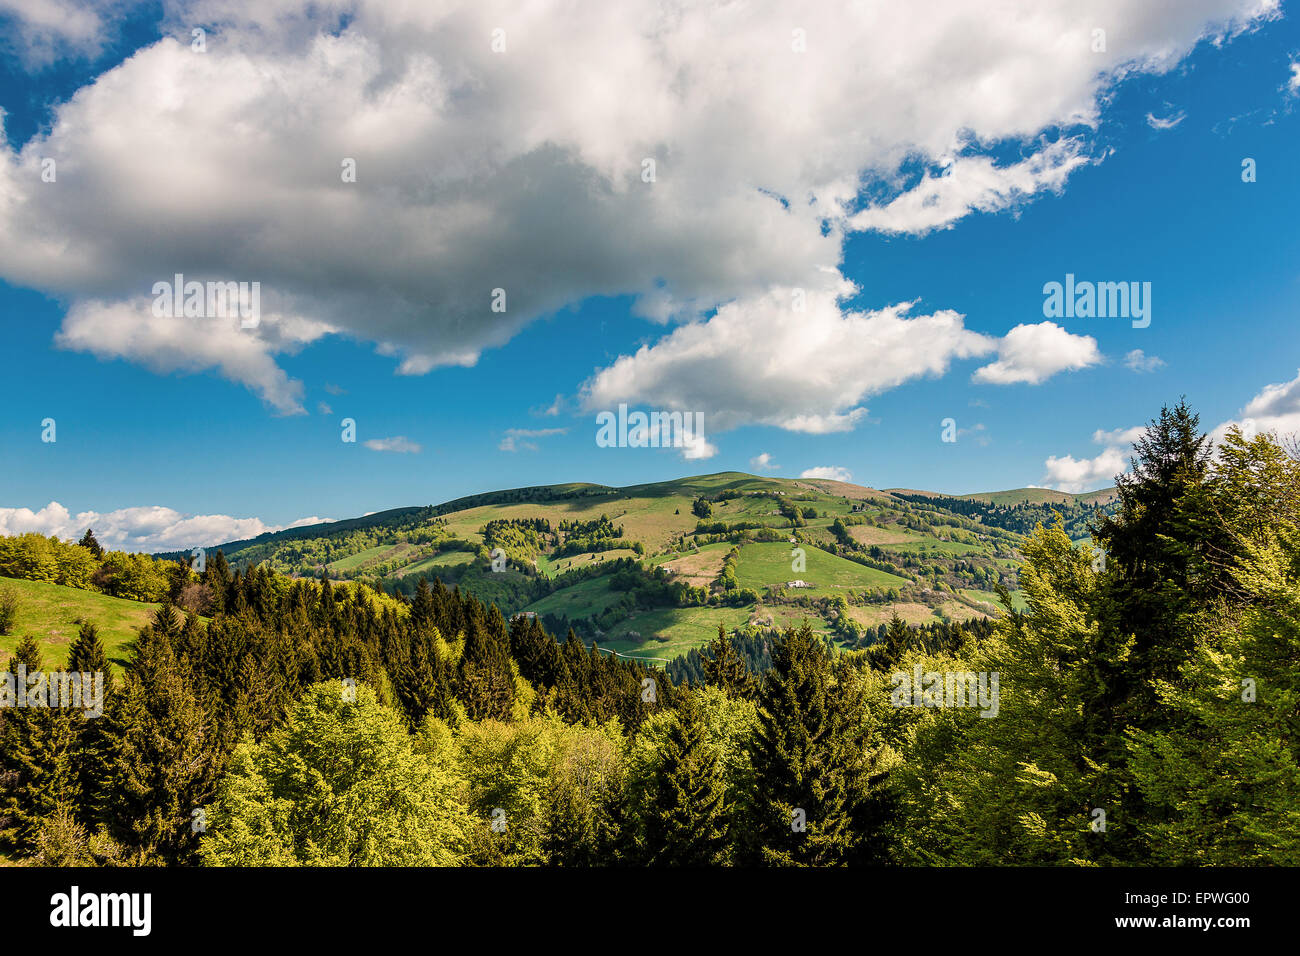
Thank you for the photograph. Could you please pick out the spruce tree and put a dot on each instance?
(37, 744)
(806, 755)
(725, 668)
(86, 655)
(90, 544)
(686, 815)
(487, 686)
(163, 756)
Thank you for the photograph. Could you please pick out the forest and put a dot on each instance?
(1148, 712)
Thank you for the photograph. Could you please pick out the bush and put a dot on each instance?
(8, 609)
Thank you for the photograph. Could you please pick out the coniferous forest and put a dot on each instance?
(1143, 711)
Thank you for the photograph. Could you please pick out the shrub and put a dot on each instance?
(9, 605)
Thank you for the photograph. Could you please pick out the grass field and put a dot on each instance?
(50, 613)
(768, 563)
(375, 555)
(552, 568)
(671, 632)
(448, 559)
(1017, 599)
(583, 599)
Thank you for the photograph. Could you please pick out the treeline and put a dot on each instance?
(1021, 518)
(86, 565)
(197, 698)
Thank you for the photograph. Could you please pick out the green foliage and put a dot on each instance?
(340, 784)
(9, 607)
(812, 756)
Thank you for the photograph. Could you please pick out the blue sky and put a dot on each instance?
(167, 437)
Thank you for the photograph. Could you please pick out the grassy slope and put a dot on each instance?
(49, 612)
(765, 564)
(659, 513)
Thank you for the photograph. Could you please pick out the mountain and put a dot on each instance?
(652, 570)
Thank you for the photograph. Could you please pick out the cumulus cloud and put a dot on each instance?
(831, 472)
(1139, 361)
(763, 462)
(1075, 475)
(1120, 437)
(1275, 409)
(1033, 353)
(1293, 81)
(698, 448)
(517, 439)
(398, 443)
(148, 528)
(759, 361)
(43, 31)
(526, 171)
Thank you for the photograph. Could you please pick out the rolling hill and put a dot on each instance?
(52, 613)
(651, 570)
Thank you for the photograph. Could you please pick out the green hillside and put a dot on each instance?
(649, 569)
(52, 614)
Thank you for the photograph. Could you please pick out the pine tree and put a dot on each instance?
(90, 544)
(725, 668)
(163, 758)
(807, 757)
(37, 742)
(686, 817)
(487, 686)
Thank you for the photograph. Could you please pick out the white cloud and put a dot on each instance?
(398, 443)
(1077, 475)
(42, 31)
(129, 329)
(698, 448)
(1139, 361)
(1120, 437)
(1168, 122)
(522, 170)
(763, 462)
(516, 439)
(1293, 81)
(1275, 409)
(757, 361)
(1033, 353)
(831, 472)
(972, 184)
(148, 528)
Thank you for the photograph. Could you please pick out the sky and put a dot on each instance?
(475, 228)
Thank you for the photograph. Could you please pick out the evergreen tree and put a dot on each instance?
(90, 544)
(725, 668)
(686, 817)
(86, 655)
(37, 743)
(163, 756)
(807, 758)
(487, 686)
